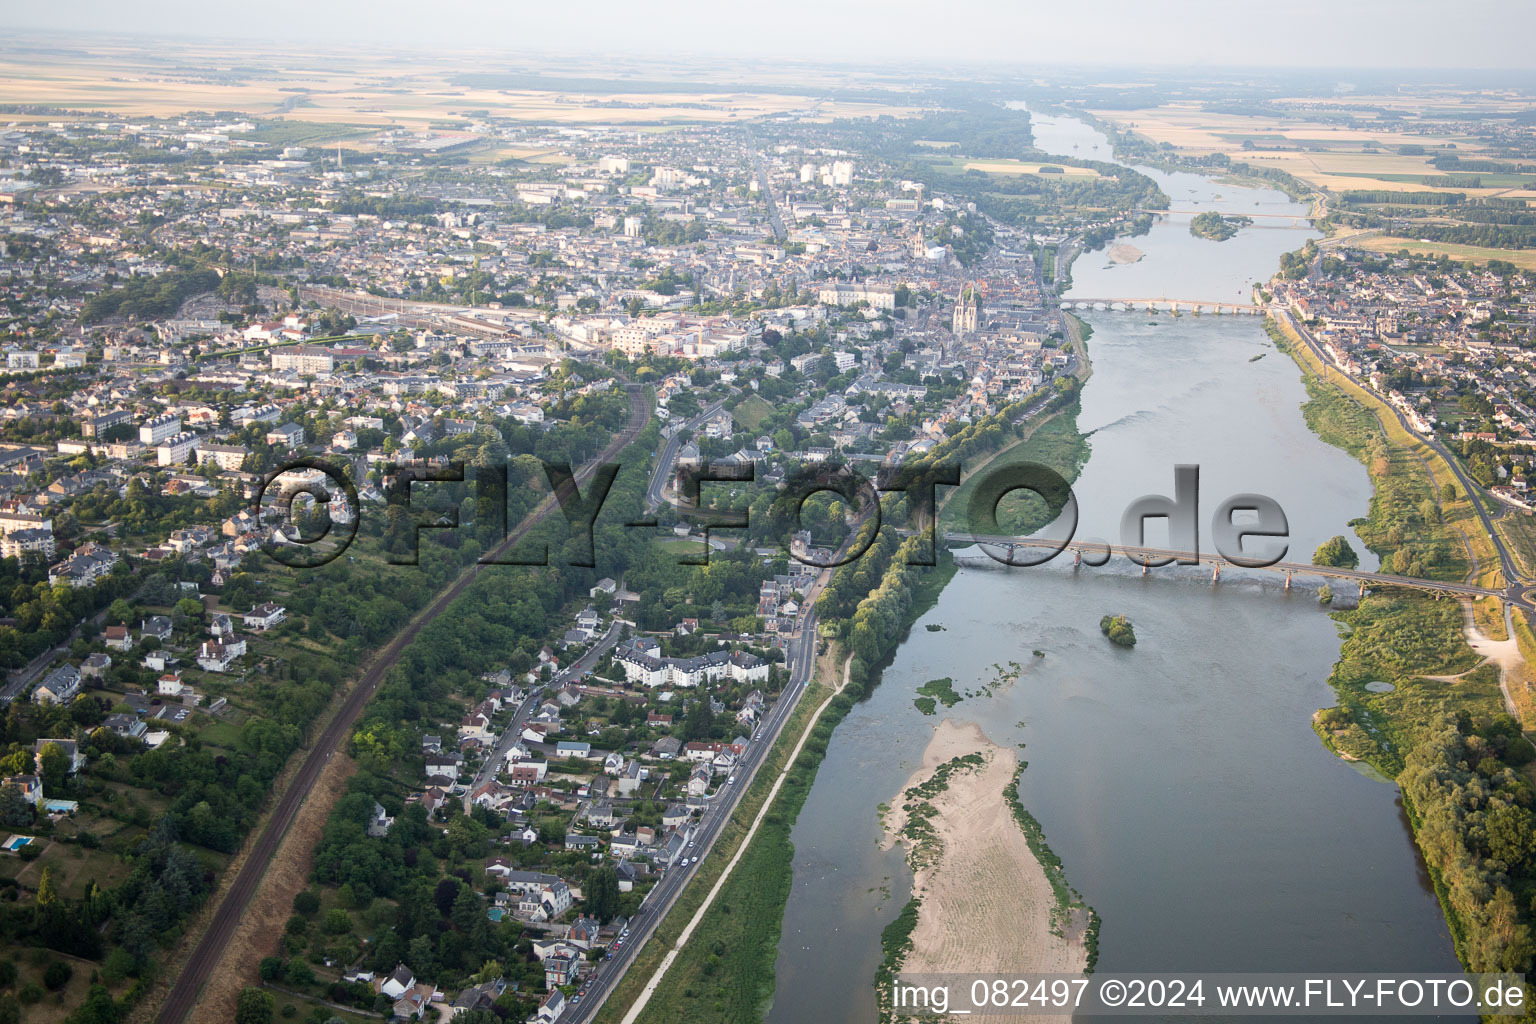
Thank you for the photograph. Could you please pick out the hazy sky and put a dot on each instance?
(1339, 34)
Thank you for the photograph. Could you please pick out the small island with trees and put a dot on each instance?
(1337, 553)
(1118, 629)
(1214, 226)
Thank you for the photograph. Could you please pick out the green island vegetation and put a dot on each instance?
(923, 845)
(1001, 677)
(895, 944)
(940, 690)
(1216, 227)
(1254, 359)
(934, 627)
(1336, 552)
(1440, 730)
(1069, 909)
(1038, 653)
(1119, 630)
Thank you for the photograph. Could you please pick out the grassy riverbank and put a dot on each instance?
(1439, 726)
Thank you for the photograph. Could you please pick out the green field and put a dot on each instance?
(751, 411)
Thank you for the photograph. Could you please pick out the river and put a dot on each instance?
(1180, 782)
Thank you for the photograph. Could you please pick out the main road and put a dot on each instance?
(800, 658)
(209, 950)
(514, 730)
(668, 455)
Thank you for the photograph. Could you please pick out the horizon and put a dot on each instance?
(1203, 36)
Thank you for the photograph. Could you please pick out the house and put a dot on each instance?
(264, 616)
(118, 638)
(583, 933)
(70, 748)
(605, 587)
(399, 982)
(170, 685)
(127, 726)
(444, 763)
(575, 843)
(479, 997)
(60, 686)
(613, 763)
(667, 748)
(379, 823)
(628, 875)
(546, 904)
(31, 788)
(551, 1008)
(217, 657)
(95, 665)
(560, 967)
(568, 748)
(600, 813)
(527, 773)
(674, 816)
(630, 779)
(698, 780)
(157, 626)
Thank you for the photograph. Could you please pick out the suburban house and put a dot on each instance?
(217, 657)
(70, 748)
(60, 686)
(118, 638)
(157, 626)
(264, 616)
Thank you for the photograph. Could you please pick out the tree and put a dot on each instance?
(306, 902)
(1336, 552)
(699, 721)
(57, 974)
(1118, 629)
(54, 763)
(14, 809)
(1448, 492)
(47, 893)
(602, 894)
(253, 1007)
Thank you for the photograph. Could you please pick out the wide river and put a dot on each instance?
(1180, 782)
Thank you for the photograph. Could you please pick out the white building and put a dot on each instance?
(174, 450)
(153, 431)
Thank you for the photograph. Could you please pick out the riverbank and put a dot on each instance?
(1442, 728)
(985, 902)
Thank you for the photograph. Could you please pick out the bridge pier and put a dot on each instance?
(1144, 568)
(1077, 557)
(1287, 579)
(1216, 573)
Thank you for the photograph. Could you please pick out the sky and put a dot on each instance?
(1340, 34)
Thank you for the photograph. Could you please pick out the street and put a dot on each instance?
(800, 659)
